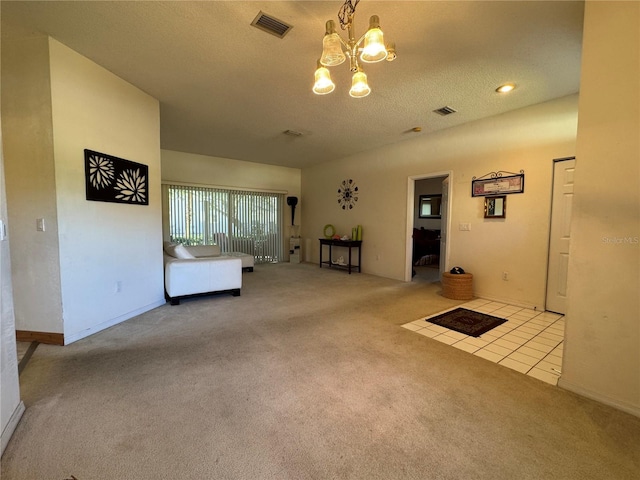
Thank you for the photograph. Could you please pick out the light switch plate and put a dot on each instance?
(40, 224)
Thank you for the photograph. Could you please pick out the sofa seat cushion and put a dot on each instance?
(247, 260)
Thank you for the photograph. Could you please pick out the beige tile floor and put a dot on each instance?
(529, 342)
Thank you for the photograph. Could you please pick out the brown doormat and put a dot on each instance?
(466, 321)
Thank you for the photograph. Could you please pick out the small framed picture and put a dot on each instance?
(495, 207)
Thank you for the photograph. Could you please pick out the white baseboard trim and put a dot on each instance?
(74, 337)
(516, 303)
(624, 406)
(11, 425)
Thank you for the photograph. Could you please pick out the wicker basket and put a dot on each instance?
(457, 286)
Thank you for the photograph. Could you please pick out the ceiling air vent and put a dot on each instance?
(271, 25)
(445, 111)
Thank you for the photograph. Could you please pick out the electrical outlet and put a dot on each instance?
(505, 276)
(464, 227)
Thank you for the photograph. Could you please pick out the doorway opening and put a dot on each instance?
(427, 226)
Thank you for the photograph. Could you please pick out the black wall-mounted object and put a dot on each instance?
(292, 202)
(114, 179)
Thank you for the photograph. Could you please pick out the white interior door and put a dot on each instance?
(444, 215)
(560, 234)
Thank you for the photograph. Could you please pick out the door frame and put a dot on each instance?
(411, 192)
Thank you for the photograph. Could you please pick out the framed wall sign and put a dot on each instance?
(496, 183)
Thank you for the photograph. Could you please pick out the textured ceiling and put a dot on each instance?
(227, 89)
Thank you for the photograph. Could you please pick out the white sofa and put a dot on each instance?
(201, 270)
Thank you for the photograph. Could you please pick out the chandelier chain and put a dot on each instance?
(346, 11)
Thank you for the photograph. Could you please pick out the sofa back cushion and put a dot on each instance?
(204, 250)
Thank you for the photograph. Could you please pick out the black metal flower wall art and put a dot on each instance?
(131, 186)
(113, 179)
(347, 194)
(100, 171)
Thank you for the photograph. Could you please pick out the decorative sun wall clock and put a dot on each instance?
(347, 194)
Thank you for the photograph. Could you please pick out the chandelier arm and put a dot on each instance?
(351, 46)
(350, 28)
(360, 40)
(353, 61)
(354, 44)
(345, 44)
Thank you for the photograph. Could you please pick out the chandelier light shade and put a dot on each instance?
(332, 53)
(359, 85)
(369, 48)
(323, 83)
(374, 49)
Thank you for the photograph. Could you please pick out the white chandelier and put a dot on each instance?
(373, 50)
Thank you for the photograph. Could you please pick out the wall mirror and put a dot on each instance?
(429, 206)
(495, 207)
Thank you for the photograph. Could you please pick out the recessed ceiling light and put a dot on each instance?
(506, 88)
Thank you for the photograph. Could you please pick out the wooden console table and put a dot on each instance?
(341, 243)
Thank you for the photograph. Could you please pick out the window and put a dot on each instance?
(238, 221)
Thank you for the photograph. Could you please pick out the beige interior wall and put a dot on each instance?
(528, 139)
(195, 169)
(110, 269)
(225, 172)
(602, 348)
(30, 181)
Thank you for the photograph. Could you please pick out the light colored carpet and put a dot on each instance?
(21, 349)
(24, 351)
(307, 375)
